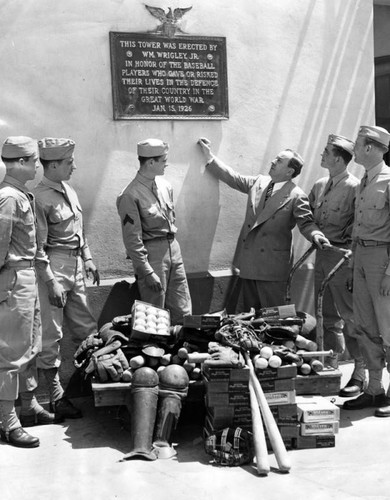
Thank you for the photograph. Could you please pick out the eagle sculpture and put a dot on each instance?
(168, 20)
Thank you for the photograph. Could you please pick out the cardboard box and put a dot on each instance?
(319, 428)
(150, 323)
(307, 442)
(280, 397)
(316, 409)
(227, 399)
(111, 393)
(225, 386)
(284, 384)
(284, 371)
(285, 414)
(324, 383)
(202, 321)
(230, 374)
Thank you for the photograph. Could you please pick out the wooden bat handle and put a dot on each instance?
(314, 354)
(259, 443)
(275, 438)
(197, 357)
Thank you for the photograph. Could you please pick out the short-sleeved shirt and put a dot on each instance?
(17, 222)
(59, 220)
(334, 211)
(144, 216)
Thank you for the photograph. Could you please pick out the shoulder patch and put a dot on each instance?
(127, 219)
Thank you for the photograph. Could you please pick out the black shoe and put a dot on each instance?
(352, 389)
(65, 409)
(19, 437)
(384, 411)
(366, 401)
(41, 418)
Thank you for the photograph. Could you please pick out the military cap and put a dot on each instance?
(341, 142)
(377, 134)
(152, 147)
(55, 149)
(19, 146)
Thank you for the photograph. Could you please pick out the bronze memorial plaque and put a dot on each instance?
(159, 77)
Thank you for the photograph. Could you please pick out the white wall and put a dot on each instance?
(297, 71)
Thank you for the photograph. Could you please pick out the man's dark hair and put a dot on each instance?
(345, 155)
(10, 160)
(296, 163)
(143, 159)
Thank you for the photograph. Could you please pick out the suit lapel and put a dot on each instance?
(275, 203)
(258, 194)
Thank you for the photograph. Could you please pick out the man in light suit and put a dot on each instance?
(264, 254)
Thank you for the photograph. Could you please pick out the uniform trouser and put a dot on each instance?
(68, 271)
(372, 310)
(165, 258)
(337, 309)
(257, 293)
(20, 331)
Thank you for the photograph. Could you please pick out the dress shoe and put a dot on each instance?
(352, 389)
(19, 437)
(41, 418)
(65, 409)
(384, 411)
(366, 401)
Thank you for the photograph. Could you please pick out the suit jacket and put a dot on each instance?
(264, 249)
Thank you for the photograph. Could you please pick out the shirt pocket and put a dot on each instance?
(26, 214)
(60, 213)
(376, 207)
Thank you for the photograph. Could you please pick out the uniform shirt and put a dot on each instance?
(17, 222)
(372, 214)
(334, 211)
(144, 216)
(59, 221)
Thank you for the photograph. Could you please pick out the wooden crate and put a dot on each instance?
(111, 393)
(325, 383)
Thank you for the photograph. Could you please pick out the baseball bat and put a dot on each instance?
(197, 357)
(259, 443)
(314, 354)
(275, 438)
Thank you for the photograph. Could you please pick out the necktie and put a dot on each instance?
(156, 192)
(268, 193)
(363, 182)
(328, 187)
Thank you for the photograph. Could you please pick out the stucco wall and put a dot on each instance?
(297, 71)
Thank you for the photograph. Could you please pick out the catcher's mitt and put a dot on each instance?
(108, 366)
(230, 447)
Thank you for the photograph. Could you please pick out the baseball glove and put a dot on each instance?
(86, 348)
(230, 447)
(109, 366)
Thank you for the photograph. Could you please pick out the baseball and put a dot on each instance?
(266, 352)
(260, 363)
(274, 361)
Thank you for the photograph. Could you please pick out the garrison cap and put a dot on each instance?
(152, 147)
(341, 142)
(19, 146)
(377, 134)
(54, 149)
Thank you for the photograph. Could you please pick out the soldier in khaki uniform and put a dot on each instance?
(371, 266)
(147, 216)
(61, 241)
(333, 203)
(20, 327)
